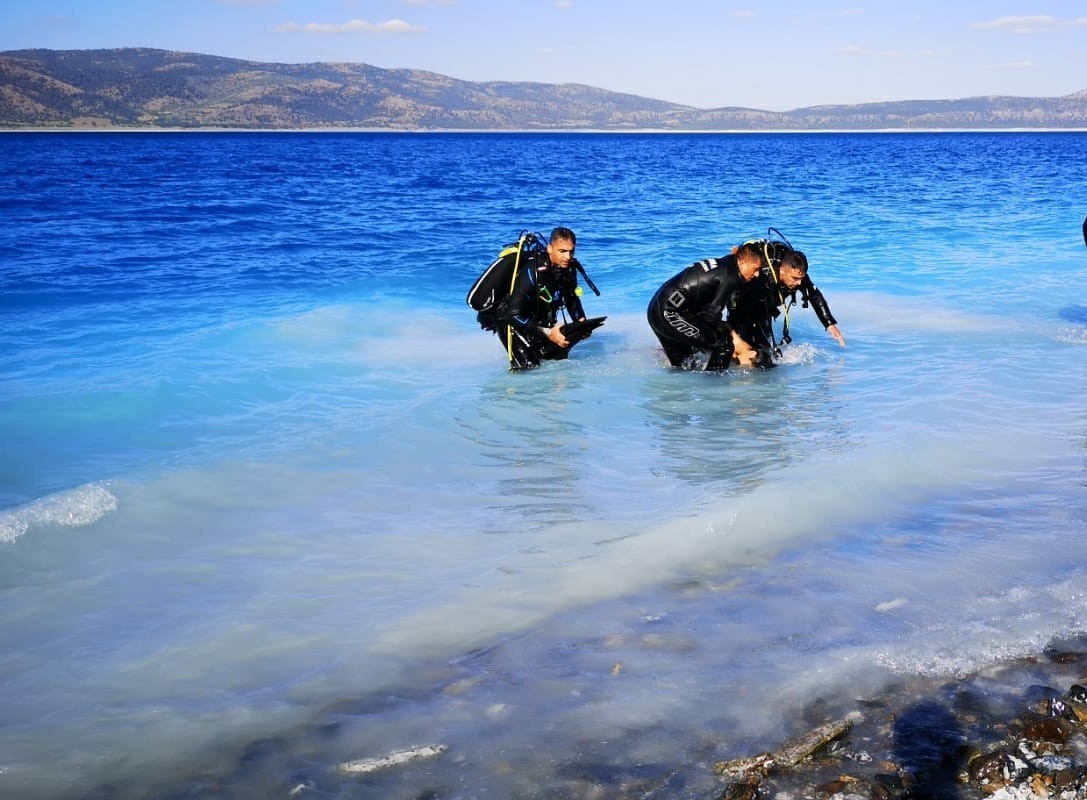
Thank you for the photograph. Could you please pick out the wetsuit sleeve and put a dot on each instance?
(813, 296)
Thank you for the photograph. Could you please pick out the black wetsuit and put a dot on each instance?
(686, 312)
(761, 301)
(541, 292)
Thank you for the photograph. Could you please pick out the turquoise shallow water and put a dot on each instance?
(264, 479)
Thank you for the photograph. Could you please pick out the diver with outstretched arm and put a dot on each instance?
(774, 293)
(793, 276)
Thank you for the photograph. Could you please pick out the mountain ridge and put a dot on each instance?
(149, 88)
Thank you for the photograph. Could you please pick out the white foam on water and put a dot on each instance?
(1071, 334)
(588, 562)
(74, 508)
(803, 353)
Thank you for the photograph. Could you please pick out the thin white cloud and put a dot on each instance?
(742, 13)
(355, 26)
(819, 16)
(1013, 66)
(845, 12)
(1037, 23)
(856, 50)
(563, 4)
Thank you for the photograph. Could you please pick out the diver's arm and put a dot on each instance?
(815, 297)
(834, 331)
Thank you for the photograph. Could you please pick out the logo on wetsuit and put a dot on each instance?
(676, 299)
(681, 325)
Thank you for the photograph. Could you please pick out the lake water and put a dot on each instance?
(270, 500)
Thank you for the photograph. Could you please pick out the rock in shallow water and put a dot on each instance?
(367, 765)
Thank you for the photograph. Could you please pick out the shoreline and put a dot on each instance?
(1004, 732)
(546, 131)
(1013, 731)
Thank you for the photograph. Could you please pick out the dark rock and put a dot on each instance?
(846, 785)
(1078, 693)
(1064, 657)
(1076, 712)
(741, 790)
(994, 770)
(890, 781)
(1048, 729)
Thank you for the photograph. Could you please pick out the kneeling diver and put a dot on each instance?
(686, 312)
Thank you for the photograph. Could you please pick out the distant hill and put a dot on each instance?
(145, 88)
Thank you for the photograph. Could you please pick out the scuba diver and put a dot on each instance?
(760, 302)
(542, 285)
(1085, 230)
(686, 312)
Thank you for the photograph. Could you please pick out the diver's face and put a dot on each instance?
(790, 277)
(749, 266)
(560, 252)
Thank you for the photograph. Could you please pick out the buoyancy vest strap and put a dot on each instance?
(513, 282)
(781, 298)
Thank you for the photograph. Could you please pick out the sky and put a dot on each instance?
(774, 55)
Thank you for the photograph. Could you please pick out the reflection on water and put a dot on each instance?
(732, 430)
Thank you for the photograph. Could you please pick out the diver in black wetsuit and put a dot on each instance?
(528, 323)
(686, 312)
(774, 293)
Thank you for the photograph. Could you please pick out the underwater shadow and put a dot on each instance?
(930, 743)
(1076, 314)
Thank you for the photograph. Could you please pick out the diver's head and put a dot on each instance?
(751, 259)
(560, 250)
(792, 268)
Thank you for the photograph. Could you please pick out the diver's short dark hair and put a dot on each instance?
(753, 248)
(795, 259)
(562, 233)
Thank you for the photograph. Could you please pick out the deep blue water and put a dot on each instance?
(262, 476)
